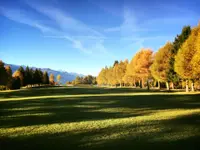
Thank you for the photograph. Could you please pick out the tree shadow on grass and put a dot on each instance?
(62, 110)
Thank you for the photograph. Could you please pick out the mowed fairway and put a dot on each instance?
(97, 118)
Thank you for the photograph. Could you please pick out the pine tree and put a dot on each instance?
(16, 83)
(31, 81)
(115, 63)
(40, 79)
(28, 76)
(45, 78)
(37, 77)
(22, 76)
(3, 74)
(179, 40)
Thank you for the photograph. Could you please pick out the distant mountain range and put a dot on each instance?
(65, 76)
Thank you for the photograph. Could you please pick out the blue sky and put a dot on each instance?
(85, 35)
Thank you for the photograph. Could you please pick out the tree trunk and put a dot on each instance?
(154, 84)
(187, 89)
(172, 85)
(139, 83)
(159, 85)
(192, 86)
(134, 82)
(148, 84)
(142, 83)
(120, 84)
(167, 85)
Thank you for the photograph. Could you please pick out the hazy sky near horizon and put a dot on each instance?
(85, 35)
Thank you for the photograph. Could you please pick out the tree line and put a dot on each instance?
(34, 77)
(23, 77)
(89, 79)
(177, 64)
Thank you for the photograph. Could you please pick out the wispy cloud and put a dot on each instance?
(64, 20)
(129, 25)
(80, 35)
(21, 16)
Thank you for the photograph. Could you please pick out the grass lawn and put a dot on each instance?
(98, 118)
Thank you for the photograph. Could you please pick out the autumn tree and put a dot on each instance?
(196, 59)
(18, 76)
(51, 79)
(140, 65)
(160, 66)
(77, 80)
(112, 75)
(102, 77)
(129, 77)
(183, 59)
(94, 80)
(58, 78)
(9, 77)
(120, 71)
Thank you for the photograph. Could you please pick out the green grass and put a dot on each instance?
(98, 118)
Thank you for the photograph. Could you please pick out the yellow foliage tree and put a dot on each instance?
(184, 65)
(140, 65)
(196, 59)
(160, 66)
(18, 74)
(120, 71)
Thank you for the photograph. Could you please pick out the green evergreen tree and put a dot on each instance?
(179, 40)
(3, 74)
(28, 76)
(16, 83)
(115, 63)
(22, 78)
(45, 78)
(31, 76)
(40, 79)
(36, 77)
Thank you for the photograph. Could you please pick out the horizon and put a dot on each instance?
(68, 36)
